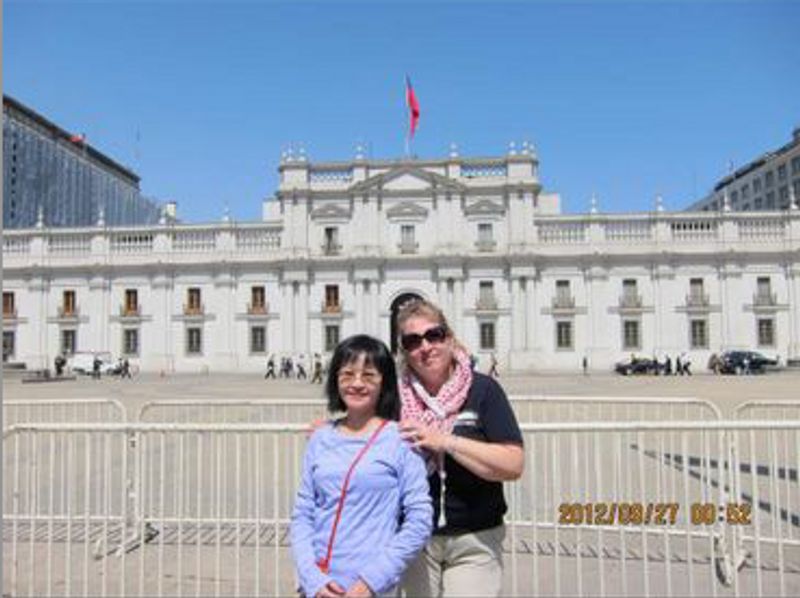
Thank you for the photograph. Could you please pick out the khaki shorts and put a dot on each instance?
(464, 565)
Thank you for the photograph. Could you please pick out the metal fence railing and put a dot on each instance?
(62, 410)
(604, 508)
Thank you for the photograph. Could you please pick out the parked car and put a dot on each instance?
(82, 362)
(737, 362)
(637, 366)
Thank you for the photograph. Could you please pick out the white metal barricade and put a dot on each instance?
(528, 408)
(19, 411)
(560, 408)
(652, 508)
(604, 508)
(777, 410)
(208, 514)
(300, 411)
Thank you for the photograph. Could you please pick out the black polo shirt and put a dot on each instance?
(472, 503)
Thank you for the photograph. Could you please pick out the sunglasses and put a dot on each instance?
(434, 335)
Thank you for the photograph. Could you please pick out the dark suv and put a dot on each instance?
(737, 362)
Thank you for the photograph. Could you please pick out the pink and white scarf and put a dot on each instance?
(438, 411)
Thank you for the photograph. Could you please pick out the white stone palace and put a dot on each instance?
(342, 244)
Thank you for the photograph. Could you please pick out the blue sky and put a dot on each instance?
(626, 100)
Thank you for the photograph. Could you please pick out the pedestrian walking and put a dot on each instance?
(270, 368)
(585, 365)
(493, 367)
(316, 377)
(301, 367)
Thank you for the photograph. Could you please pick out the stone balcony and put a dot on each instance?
(330, 308)
(698, 300)
(764, 299)
(130, 311)
(194, 309)
(630, 301)
(258, 309)
(486, 303)
(68, 312)
(563, 302)
(408, 247)
(331, 249)
(486, 245)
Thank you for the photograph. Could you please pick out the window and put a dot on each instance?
(766, 332)
(130, 341)
(698, 334)
(331, 337)
(131, 306)
(697, 294)
(769, 179)
(630, 296)
(487, 336)
(332, 298)
(745, 191)
(796, 165)
(194, 304)
(9, 309)
(68, 341)
(331, 241)
(258, 339)
(782, 172)
(68, 303)
(9, 345)
(758, 203)
(770, 203)
(486, 293)
(408, 242)
(734, 196)
(763, 286)
(194, 341)
(485, 232)
(630, 335)
(564, 335)
(756, 185)
(258, 300)
(783, 195)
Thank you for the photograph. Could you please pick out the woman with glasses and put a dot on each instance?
(363, 510)
(464, 422)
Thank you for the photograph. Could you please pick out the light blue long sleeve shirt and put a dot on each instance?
(371, 543)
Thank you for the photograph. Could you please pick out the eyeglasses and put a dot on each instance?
(434, 335)
(368, 377)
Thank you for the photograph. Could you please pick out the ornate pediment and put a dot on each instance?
(330, 212)
(407, 209)
(408, 178)
(484, 207)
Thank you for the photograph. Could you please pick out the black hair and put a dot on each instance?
(376, 354)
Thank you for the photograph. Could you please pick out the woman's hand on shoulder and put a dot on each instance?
(422, 436)
(315, 425)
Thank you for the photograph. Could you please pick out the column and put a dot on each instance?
(304, 332)
(532, 308)
(458, 307)
(518, 314)
(793, 282)
(359, 306)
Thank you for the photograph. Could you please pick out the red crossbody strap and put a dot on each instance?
(325, 564)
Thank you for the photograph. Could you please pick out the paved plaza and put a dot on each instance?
(724, 391)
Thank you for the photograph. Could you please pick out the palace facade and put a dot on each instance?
(342, 244)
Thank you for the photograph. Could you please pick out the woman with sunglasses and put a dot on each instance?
(363, 509)
(465, 423)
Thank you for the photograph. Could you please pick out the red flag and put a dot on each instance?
(78, 138)
(413, 108)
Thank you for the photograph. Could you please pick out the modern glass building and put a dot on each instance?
(56, 177)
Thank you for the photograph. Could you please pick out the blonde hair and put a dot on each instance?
(416, 308)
